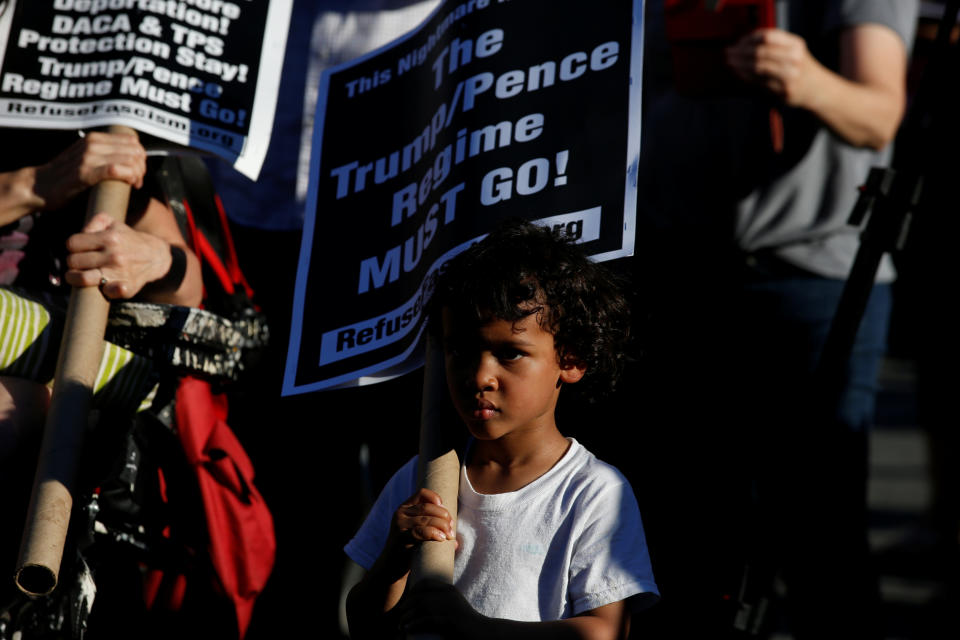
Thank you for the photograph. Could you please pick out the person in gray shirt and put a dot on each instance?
(748, 173)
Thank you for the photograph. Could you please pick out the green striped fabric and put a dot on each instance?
(125, 382)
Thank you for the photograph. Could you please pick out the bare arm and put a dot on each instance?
(140, 259)
(146, 257)
(17, 196)
(91, 159)
(863, 103)
(372, 602)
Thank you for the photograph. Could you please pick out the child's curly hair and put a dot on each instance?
(523, 269)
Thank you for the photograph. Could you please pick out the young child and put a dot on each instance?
(550, 542)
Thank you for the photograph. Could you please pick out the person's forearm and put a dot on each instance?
(861, 115)
(369, 601)
(17, 195)
(862, 101)
(182, 283)
(176, 277)
(381, 588)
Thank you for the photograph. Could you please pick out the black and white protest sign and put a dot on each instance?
(488, 111)
(199, 73)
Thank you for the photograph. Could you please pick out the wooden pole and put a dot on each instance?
(439, 466)
(81, 349)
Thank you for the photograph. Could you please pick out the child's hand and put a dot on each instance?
(436, 607)
(421, 517)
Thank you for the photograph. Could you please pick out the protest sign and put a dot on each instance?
(186, 71)
(489, 110)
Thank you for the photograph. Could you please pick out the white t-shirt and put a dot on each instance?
(568, 542)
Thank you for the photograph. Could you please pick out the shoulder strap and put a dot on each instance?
(203, 222)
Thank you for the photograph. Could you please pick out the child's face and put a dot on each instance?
(503, 376)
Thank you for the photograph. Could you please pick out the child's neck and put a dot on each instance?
(508, 464)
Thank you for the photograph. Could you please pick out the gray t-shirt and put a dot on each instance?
(708, 165)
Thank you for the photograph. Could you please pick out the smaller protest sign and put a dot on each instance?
(186, 71)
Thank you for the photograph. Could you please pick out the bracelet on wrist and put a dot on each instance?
(178, 268)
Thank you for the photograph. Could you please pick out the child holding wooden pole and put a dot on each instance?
(550, 542)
